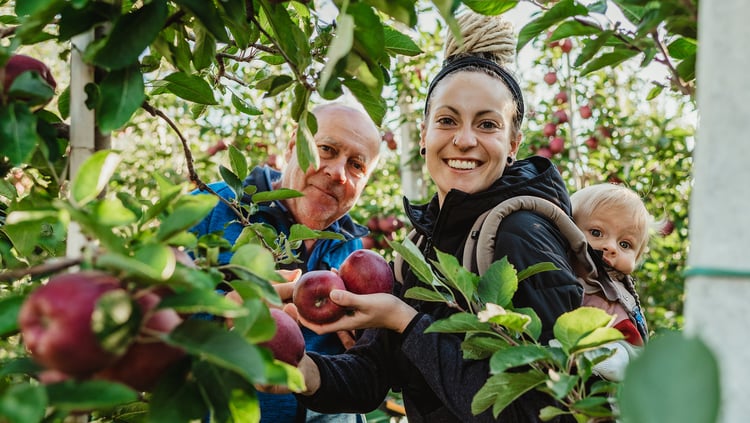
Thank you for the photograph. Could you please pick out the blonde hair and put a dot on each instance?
(586, 201)
(491, 37)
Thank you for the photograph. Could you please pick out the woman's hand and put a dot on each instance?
(366, 311)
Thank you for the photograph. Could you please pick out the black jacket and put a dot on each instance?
(438, 385)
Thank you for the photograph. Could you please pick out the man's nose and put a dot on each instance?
(336, 170)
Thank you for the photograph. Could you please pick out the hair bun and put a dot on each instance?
(491, 37)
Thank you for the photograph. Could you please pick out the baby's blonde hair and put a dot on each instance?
(587, 200)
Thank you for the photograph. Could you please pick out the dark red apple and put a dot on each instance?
(549, 129)
(556, 145)
(368, 242)
(19, 63)
(561, 116)
(55, 323)
(288, 343)
(550, 78)
(311, 296)
(561, 97)
(388, 224)
(592, 143)
(148, 357)
(366, 272)
(667, 228)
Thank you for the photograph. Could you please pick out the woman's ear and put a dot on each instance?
(421, 135)
(515, 144)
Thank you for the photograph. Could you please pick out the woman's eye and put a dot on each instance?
(445, 121)
(489, 125)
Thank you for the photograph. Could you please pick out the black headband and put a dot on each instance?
(476, 61)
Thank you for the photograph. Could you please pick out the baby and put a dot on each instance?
(616, 224)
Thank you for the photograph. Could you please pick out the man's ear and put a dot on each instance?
(290, 145)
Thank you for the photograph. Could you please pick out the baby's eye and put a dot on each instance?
(595, 232)
(625, 245)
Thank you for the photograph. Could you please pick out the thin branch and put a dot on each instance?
(40, 270)
(202, 186)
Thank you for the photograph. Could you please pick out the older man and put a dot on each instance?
(348, 144)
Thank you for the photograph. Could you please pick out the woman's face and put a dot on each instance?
(477, 111)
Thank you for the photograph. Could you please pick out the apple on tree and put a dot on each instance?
(56, 323)
(311, 296)
(148, 358)
(366, 272)
(287, 343)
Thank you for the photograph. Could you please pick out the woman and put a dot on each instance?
(470, 138)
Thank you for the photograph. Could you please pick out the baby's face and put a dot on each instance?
(616, 236)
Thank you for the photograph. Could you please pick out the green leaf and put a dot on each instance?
(533, 328)
(425, 294)
(675, 379)
(122, 46)
(277, 194)
(686, 68)
(238, 162)
(535, 269)
(160, 258)
(190, 87)
(176, 400)
(397, 43)
(93, 175)
(88, 395)
(339, 48)
(208, 15)
(592, 47)
(9, 307)
(561, 384)
(121, 93)
(307, 150)
(417, 263)
(456, 275)
(245, 107)
(217, 345)
(23, 403)
(232, 181)
(520, 355)
(18, 132)
(401, 10)
(373, 102)
(459, 323)
(115, 321)
(502, 389)
(491, 8)
(571, 327)
(203, 301)
(188, 211)
(481, 345)
(574, 29)
(498, 284)
(112, 213)
(256, 259)
(289, 36)
(300, 232)
(31, 89)
(560, 11)
(609, 59)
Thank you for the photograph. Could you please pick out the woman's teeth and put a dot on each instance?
(462, 164)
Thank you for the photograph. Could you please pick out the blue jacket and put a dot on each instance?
(325, 254)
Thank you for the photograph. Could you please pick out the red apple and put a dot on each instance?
(18, 63)
(544, 152)
(592, 143)
(366, 272)
(585, 111)
(667, 228)
(561, 97)
(373, 224)
(549, 129)
(147, 358)
(550, 78)
(56, 327)
(288, 343)
(311, 296)
(388, 224)
(561, 116)
(556, 145)
(368, 242)
(390, 140)
(566, 45)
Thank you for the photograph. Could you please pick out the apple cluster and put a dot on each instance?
(64, 331)
(382, 229)
(362, 272)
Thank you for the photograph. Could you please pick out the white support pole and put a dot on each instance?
(717, 307)
(82, 126)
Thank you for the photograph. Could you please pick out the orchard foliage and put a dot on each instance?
(219, 84)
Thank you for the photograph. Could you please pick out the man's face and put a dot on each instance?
(348, 144)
